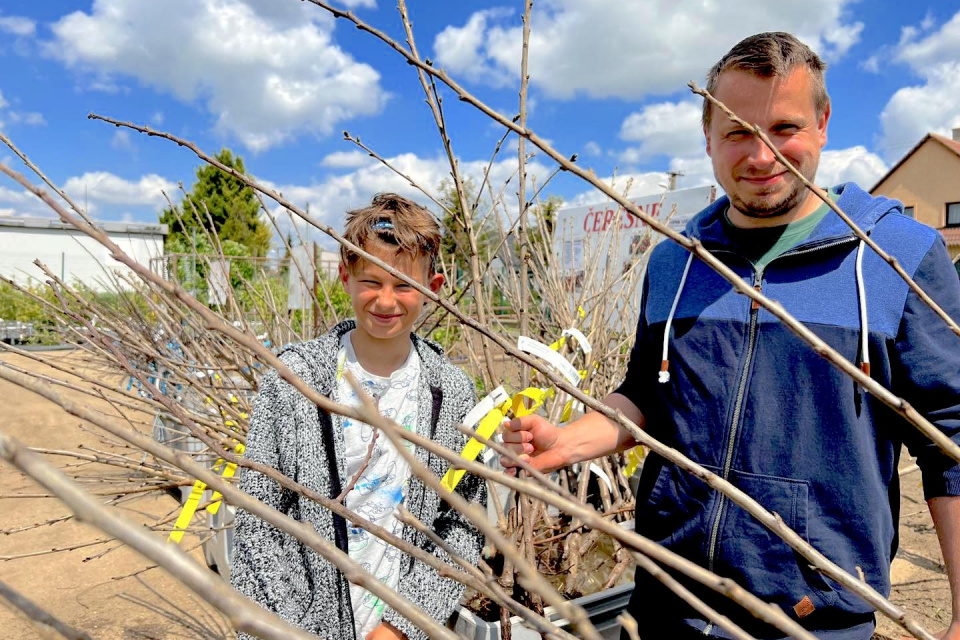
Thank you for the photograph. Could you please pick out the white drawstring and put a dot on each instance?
(665, 363)
(864, 327)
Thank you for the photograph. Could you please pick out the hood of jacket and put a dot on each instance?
(322, 352)
(865, 210)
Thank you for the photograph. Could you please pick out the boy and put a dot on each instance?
(413, 384)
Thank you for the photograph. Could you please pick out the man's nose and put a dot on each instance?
(761, 155)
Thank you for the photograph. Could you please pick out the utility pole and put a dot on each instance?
(673, 179)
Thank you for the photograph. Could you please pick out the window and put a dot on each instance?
(910, 212)
(953, 214)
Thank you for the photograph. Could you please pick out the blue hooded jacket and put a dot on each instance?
(752, 402)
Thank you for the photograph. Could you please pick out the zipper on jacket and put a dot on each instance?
(735, 421)
(734, 426)
(741, 394)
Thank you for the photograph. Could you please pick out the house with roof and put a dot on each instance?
(927, 181)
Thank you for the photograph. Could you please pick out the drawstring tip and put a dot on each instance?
(664, 372)
(865, 367)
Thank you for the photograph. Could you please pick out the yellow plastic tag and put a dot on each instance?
(634, 457)
(228, 472)
(539, 396)
(193, 501)
(486, 428)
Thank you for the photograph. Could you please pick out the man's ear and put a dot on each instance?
(706, 136)
(436, 281)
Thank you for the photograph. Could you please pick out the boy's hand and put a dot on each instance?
(535, 441)
(385, 631)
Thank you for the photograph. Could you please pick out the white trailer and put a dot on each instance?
(69, 253)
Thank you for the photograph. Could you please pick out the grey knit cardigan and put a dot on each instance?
(286, 433)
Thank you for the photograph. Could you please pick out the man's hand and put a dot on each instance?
(534, 440)
(385, 631)
(546, 447)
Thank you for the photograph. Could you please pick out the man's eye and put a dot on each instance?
(738, 133)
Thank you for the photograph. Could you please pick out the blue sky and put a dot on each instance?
(278, 80)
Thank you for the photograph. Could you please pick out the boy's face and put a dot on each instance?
(386, 308)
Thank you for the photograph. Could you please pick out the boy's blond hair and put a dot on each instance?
(393, 222)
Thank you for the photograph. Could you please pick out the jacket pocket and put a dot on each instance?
(676, 510)
(759, 560)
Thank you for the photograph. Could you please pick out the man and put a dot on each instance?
(728, 385)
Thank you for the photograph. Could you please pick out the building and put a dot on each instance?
(70, 254)
(927, 181)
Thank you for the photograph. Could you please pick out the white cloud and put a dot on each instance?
(695, 171)
(353, 4)
(266, 70)
(157, 118)
(11, 196)
(121, 140)
(634, 185)
(592, 149)
(22, 203)
(940, 46)
(463, 48)
(610, 48)
(346, 159)
(914, 111)
(854, 164)
(330, 199)
(871, 64)
(666, 128)
(104, 188)
(17, 25)
(32, 118)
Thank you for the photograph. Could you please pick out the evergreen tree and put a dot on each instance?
(233, 208)
(540, 235)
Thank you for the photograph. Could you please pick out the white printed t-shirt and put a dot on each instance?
(383, 484)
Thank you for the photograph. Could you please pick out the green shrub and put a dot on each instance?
(20, 306)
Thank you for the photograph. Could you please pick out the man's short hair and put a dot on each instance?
(394, 223)
(767, 55)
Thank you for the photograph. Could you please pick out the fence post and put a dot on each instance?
(313, 293)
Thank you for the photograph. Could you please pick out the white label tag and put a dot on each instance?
(554, 359)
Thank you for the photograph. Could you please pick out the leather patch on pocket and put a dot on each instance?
(804, 607)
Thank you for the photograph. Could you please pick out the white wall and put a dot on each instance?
(69, 253)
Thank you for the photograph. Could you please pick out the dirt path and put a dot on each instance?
(86, 594)
(918, 576)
